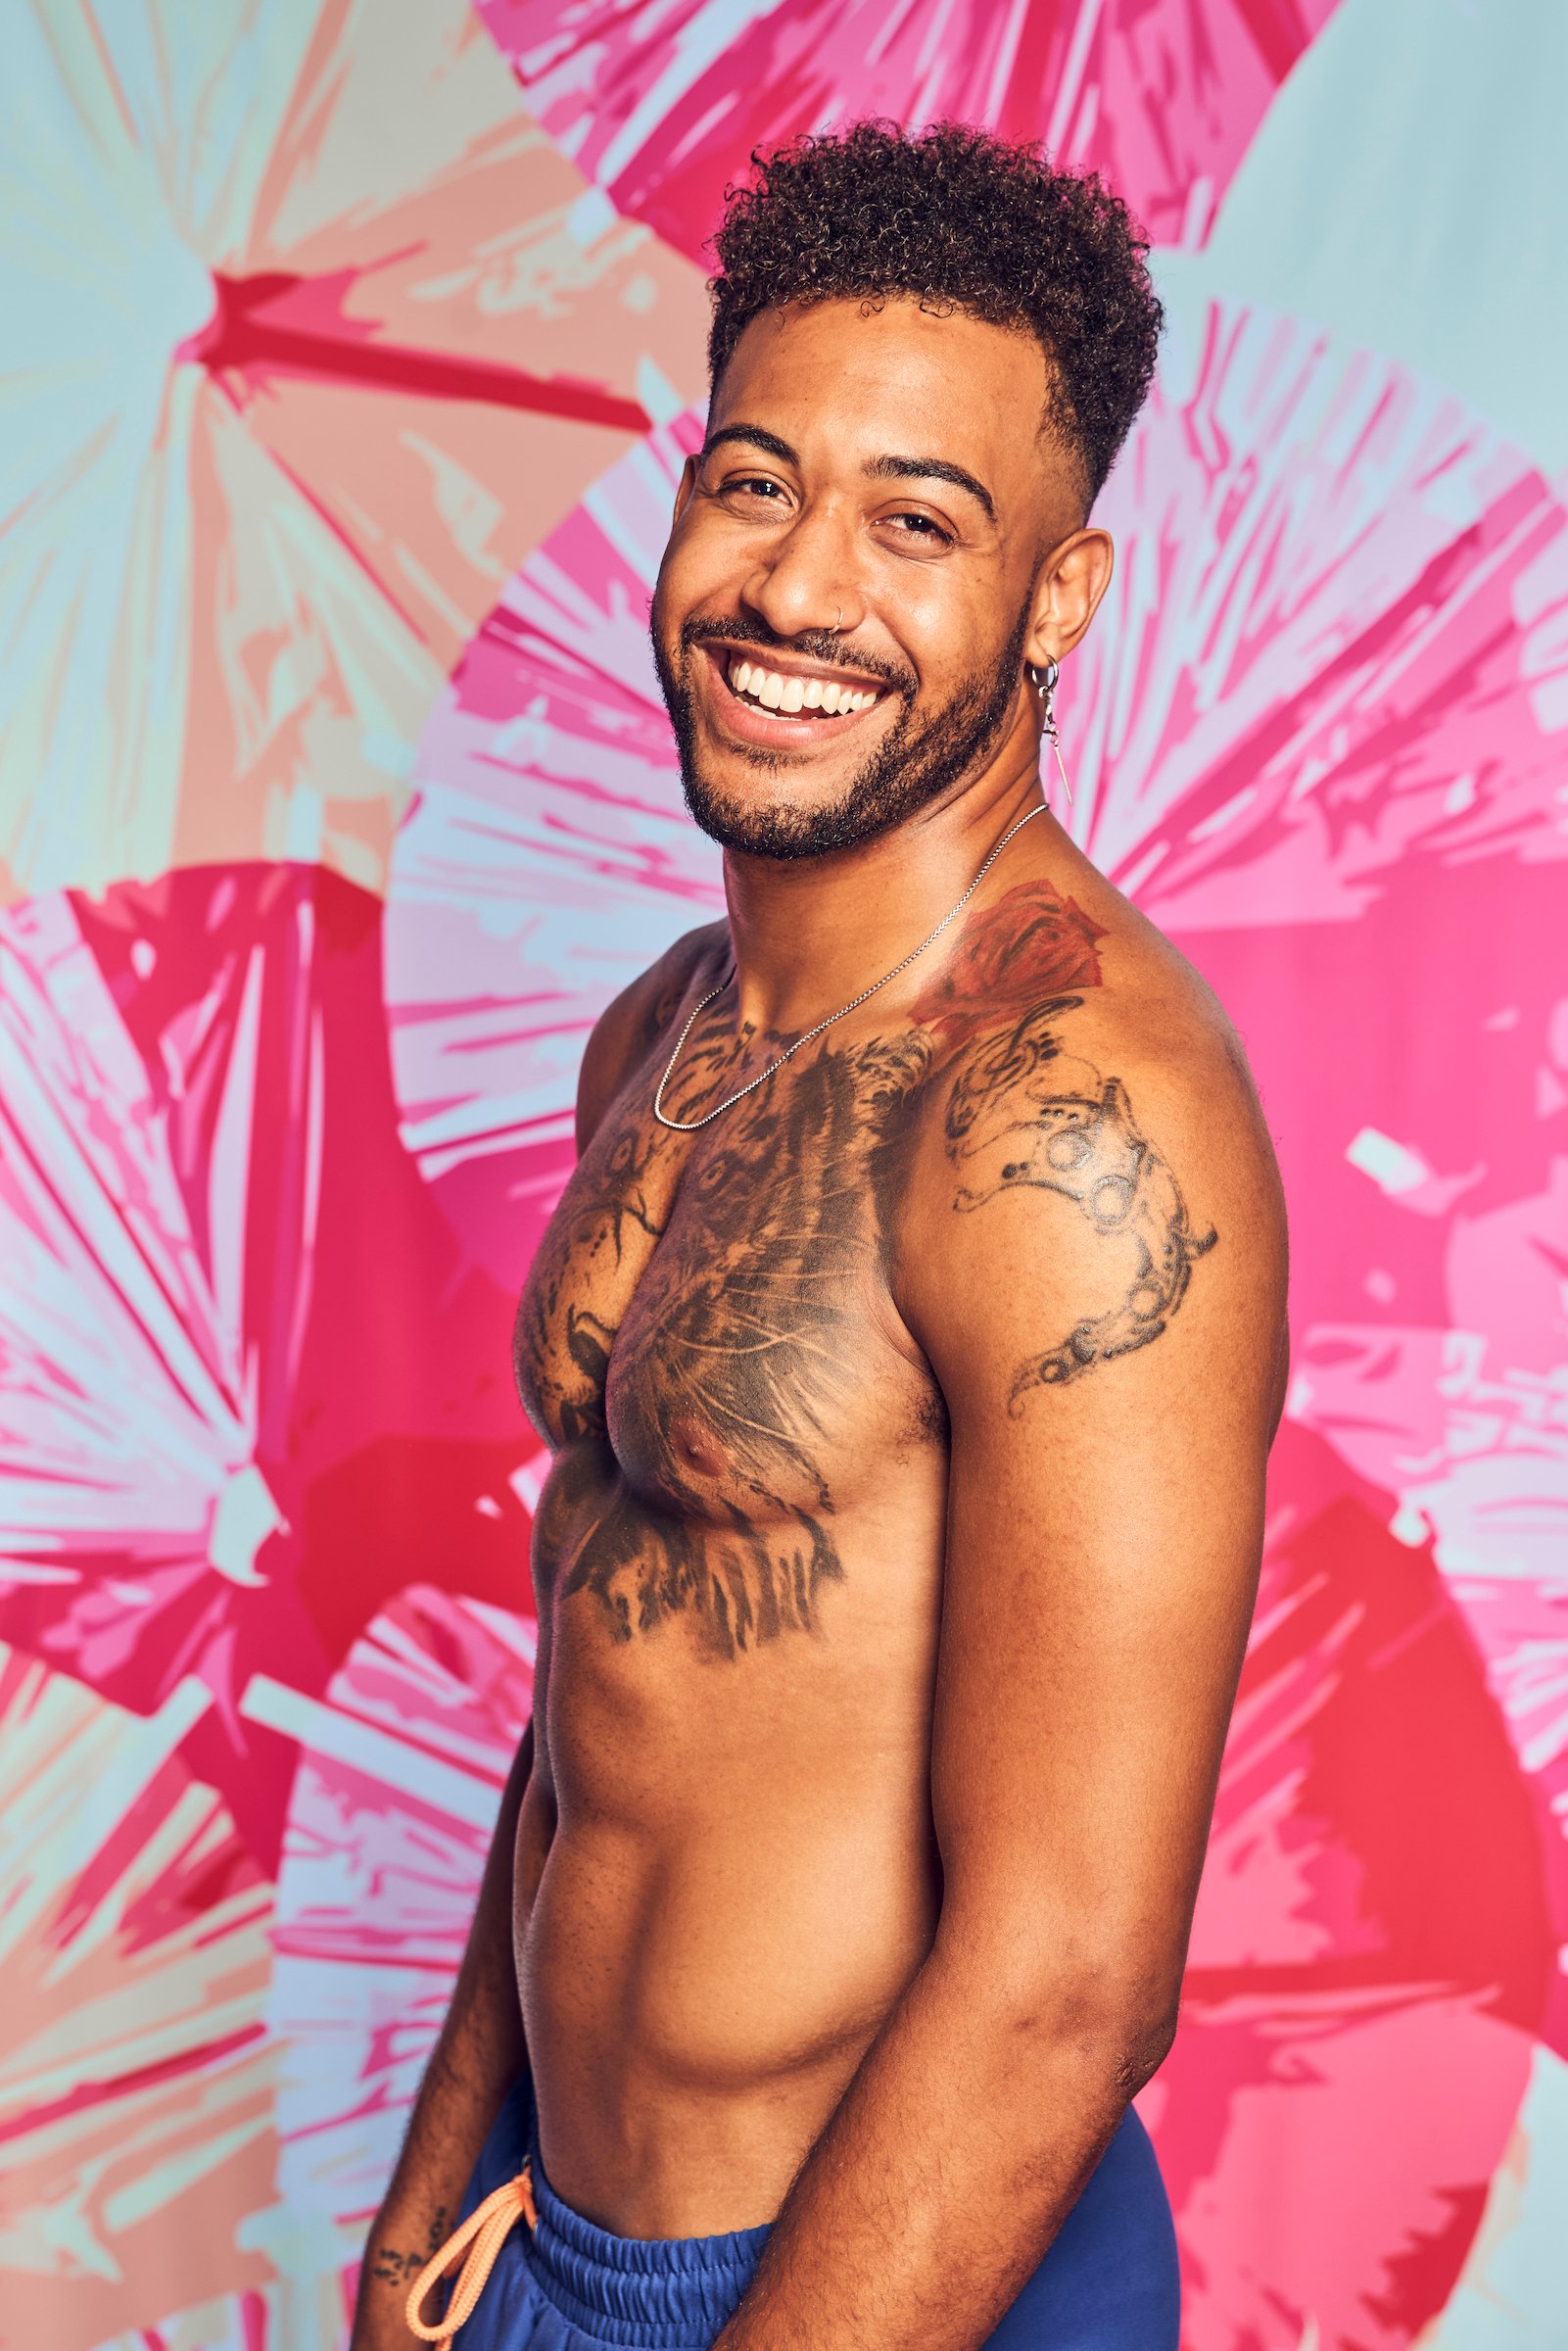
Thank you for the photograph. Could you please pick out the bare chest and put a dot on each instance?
(704, 1339)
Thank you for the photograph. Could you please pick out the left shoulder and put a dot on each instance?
(1169, 1058)
(1093, 1175)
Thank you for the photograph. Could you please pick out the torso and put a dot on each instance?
(737, 1561)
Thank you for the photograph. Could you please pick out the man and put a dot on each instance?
(909, 1340)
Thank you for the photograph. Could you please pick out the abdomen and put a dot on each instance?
(740, 1883)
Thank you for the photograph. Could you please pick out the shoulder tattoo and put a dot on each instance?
(1019, 1116)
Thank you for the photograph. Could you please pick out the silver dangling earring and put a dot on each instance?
(1044, 683)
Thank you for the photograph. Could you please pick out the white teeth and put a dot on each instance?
(794, 693)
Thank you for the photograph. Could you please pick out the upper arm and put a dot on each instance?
(1098, 1252)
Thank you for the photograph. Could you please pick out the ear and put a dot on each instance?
(684, 489)
(1071, 580)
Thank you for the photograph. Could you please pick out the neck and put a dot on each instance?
(810, 934)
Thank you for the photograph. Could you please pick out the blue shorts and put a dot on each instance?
(1108, 2284)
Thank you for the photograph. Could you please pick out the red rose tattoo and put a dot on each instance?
(1029, 945)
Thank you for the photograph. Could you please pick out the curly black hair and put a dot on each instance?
(954, 217)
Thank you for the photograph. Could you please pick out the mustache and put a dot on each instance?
(814, 645)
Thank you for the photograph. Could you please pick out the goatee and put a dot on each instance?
(915, 763)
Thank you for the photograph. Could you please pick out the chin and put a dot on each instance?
(787, 828)
(780, 828)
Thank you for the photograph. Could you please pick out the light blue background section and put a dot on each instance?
(1408, 191)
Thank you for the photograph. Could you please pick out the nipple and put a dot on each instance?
(694, 1448)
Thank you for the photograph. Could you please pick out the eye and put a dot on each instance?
(741, 487)
(919, 530)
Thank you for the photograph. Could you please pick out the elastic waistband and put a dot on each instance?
(670, 2293)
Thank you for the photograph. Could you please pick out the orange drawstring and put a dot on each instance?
(488, 2229)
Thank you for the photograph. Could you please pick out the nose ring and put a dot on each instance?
(839, 622)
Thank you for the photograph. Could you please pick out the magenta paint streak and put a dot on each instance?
(276, 325)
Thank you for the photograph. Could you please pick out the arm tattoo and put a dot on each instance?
(1011, 1122)
(392, 2266)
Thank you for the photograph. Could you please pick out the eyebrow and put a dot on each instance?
(932, 469)
(756, 436)
(881, 469)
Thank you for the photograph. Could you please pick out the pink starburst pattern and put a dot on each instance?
(548, 860)
(660, 105)
(226, 1433)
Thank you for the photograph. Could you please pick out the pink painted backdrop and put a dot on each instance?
(359, 351)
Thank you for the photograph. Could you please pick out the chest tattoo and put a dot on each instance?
(736, 1359)
(692, 1335)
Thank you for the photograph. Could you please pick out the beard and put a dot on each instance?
(916, 762)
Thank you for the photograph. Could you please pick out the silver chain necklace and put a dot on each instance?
(690, 1125)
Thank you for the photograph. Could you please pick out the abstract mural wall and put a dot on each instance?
(350, 351)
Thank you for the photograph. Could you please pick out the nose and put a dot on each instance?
(807, 578)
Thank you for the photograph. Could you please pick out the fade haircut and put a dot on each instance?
(957, 219)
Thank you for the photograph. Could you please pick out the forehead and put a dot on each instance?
(845, 383)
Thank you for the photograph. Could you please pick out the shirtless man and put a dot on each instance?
(909, 1340)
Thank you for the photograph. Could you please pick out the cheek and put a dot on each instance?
(687, 588)
(706, 563)
(946, 627)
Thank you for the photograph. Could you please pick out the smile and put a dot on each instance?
(794, 693)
